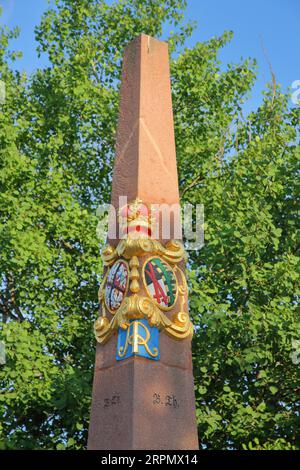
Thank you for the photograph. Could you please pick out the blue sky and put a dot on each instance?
(258, 25)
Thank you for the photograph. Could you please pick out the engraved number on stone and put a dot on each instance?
(168, 400)
(114, 400)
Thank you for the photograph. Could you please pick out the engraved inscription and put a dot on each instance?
(166, 400)
(114, 400)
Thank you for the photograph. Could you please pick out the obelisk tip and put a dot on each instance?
(147, 38)
(145, 165)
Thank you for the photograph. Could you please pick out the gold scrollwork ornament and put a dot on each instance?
(136, 306)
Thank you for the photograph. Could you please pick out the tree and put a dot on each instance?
(245, 280)
(57, 132)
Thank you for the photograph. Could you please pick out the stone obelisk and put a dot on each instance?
(143, 391)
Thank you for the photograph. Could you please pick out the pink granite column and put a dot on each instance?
(139, 403)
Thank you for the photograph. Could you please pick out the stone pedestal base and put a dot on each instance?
(143, 404)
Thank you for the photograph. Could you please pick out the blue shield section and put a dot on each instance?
(140, 339)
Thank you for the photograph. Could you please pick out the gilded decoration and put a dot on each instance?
(140, 261)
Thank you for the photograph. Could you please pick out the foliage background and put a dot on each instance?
(57, 131)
